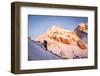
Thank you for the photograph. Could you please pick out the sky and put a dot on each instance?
(38, 24)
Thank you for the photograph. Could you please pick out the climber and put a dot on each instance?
(45, 44)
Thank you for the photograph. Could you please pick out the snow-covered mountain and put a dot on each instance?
(60, 35)
(65, 43)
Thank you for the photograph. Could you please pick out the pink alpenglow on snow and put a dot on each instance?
(65, 43)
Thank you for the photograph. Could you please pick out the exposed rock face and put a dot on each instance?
(82, 32)
(81, 44)
(65, 43)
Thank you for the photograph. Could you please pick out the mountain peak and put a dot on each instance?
(55, 28)
(59, 34)
(63, 42)
(83, 27)
(82, 31)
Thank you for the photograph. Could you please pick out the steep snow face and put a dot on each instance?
(37, 52)
(65, 43)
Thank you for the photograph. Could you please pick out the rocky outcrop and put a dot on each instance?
(81, 44)
(82, 32)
